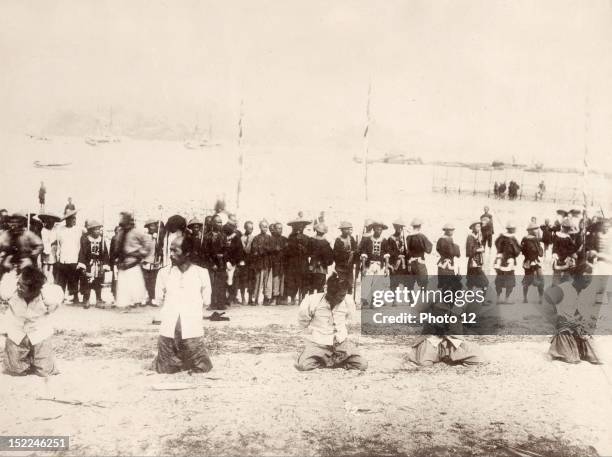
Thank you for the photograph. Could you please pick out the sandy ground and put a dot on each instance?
(254, 402)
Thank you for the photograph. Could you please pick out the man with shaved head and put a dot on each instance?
(324, 317)
(183, 290)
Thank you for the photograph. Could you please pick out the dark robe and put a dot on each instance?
(367, 248)
(215, 256)
(547, 234)
(418, 245)
(296, 266)
(448, 250)
(475, 275)
(321, 257)
(345, 259)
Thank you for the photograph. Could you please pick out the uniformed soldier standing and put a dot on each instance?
(398, 260)
(417, 245)
(345, 254)
(474, 250)
(448, 277)
(508, 250)
(533, 252)
(296, 268)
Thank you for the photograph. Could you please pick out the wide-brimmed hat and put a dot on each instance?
(195, 221)
(70, 213)
(345, 225)
(19, 216)
(299, 222)
(562, 212)
(151, 222)
(416, 222)
(533, 226)
(379, 224)
(49, 217)
(475, 223)
(448, 226)
(92, 223)
(399, 222)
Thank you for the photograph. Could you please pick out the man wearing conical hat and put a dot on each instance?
(345, 255)
(532, 251)
(296, 267)
(508, 250)
(93, 263)
(19, 247)
(417, 245)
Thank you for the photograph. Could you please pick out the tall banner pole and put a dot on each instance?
(240, 157)
(366, 146)
(585, 175)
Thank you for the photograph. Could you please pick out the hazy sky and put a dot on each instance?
(478, 79)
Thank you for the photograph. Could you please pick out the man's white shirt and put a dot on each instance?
(324, 324)
(182, 295)
(33, 319)
(68, 244)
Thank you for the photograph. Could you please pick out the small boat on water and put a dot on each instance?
(51, 165)
(103, 139)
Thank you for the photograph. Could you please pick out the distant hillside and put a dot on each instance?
(138, 126)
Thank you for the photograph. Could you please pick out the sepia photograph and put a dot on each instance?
(281, 228)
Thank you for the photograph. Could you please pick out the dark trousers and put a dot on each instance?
(418, 275)
(150, 276)
(346, 273)
(218, 284)
(68, 278)
(87, 287)
(26, 358)
(296, 280)
(178, 354)
(244, 278)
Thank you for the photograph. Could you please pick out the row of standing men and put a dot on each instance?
(245, 267)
